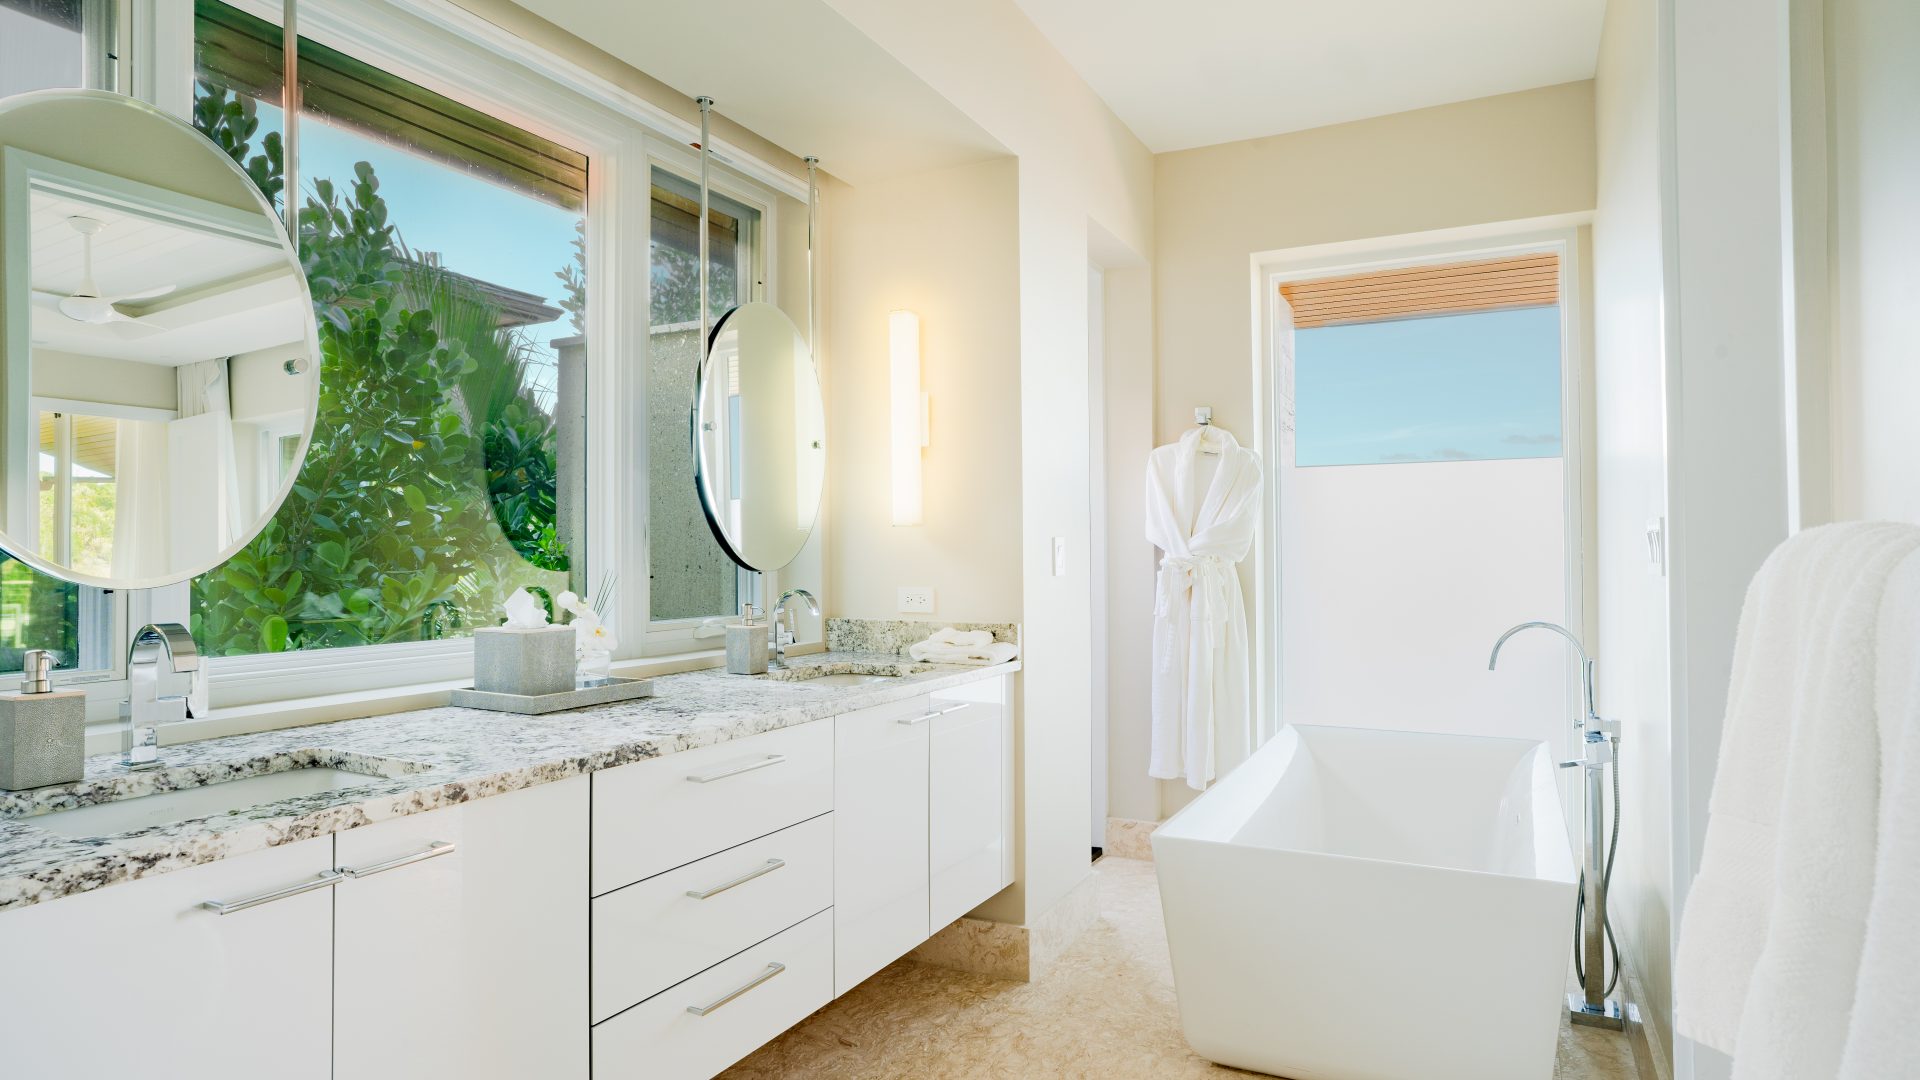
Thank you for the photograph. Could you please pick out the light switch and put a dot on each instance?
(1059, 556)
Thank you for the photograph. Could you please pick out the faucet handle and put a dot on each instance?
(196, 703)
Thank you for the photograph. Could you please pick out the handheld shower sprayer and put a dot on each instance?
(1593, 938)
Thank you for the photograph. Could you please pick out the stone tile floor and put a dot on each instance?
(1105, 1010)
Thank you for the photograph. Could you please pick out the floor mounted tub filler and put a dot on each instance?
(1353, 904)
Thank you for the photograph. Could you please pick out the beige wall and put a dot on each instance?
(1506, 158)
(1077, 164)
(1633, 610)
(945, 245)
(1875, 139)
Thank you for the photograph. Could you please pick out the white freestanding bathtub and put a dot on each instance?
(1352, 904)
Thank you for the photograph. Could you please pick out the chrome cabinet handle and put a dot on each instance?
(767, 867)
(433, 851)
(933, 714)
(708, 778)
(772, 970)
(325, 880)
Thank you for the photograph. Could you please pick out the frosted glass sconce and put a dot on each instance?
(908, 414)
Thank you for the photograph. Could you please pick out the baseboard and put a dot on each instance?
(1130, 839)
(1646, 1032)
(1022, 953)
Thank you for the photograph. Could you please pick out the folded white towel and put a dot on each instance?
(994, 652)
(1882, 1039)
(947, 635)
(1772, 937)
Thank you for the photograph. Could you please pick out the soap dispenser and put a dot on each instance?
(747, 643)
(42, 731)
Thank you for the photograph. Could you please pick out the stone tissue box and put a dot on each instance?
(511, 660)
(42, 739)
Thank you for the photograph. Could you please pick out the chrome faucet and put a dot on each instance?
(783, 634)
(1601, 743)
(146, 708)
(1591, 721)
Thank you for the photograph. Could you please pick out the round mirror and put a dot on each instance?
(759, 435)
(161, 364)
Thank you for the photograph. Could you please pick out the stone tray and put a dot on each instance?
(598, 692)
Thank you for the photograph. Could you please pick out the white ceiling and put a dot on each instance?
(230, 295)
(1212, 71)
(792, 71)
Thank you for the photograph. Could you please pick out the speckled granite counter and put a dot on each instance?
(423, 760)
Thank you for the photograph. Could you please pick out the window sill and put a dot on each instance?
(104, 738)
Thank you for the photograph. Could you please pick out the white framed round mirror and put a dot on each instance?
(759, 435)
(162, 365)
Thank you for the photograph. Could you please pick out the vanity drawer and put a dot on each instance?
(748, 999)
(652, 816)
(652, 934)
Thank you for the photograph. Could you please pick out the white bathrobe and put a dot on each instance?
(1201, 512)
(1794, 880)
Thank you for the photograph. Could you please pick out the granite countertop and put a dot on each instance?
(423, 760)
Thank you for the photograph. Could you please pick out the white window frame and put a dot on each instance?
(446, 49)
(1274, 419)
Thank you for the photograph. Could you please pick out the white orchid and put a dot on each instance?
(591, 635)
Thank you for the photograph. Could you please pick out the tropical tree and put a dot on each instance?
(429, 486)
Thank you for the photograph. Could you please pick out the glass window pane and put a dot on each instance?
(450, 299)
(41, 45)
(691, 577)
(1469, 387)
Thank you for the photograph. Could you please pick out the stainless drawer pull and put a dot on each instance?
(433, 851)
(708, 778)
(766, 868)
(772, 970)
(325, 880)
(934, 714)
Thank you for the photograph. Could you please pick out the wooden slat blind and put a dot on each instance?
(1413, 291)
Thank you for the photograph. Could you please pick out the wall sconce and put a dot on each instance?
(908, 414)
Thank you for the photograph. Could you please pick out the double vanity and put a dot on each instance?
(653, 888)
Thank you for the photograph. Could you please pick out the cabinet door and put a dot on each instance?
(467, 961)
(138, 979)
(879, 838)
(968, 837)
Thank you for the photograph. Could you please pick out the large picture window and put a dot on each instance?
(446, 255)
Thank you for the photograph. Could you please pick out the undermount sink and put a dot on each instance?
(846, 678)
(187, 804)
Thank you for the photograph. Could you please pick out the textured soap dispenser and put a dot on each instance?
(43, 732)
(747, 644)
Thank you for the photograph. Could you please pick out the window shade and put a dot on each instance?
(243, 52)
(1414, 291)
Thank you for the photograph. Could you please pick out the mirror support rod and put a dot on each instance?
(813, 316)
(290, 119)
(706, 110)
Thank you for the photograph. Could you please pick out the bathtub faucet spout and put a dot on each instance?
(1591, 721)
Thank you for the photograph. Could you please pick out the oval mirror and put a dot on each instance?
(759, 435)
(161, 363)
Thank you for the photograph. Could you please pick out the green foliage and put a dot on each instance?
(402, 525)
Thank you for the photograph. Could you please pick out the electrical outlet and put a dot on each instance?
(916, 598)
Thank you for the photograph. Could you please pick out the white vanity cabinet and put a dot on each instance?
(460, 941)
(969, 798)
(139, 979)
(879, 837)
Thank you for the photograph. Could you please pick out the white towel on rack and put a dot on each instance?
(1882, 1037)
(1772, 936)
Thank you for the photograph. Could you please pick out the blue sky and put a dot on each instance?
(479, 228)
(1447, 388)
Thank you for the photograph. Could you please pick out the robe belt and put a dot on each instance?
(1182, 575)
